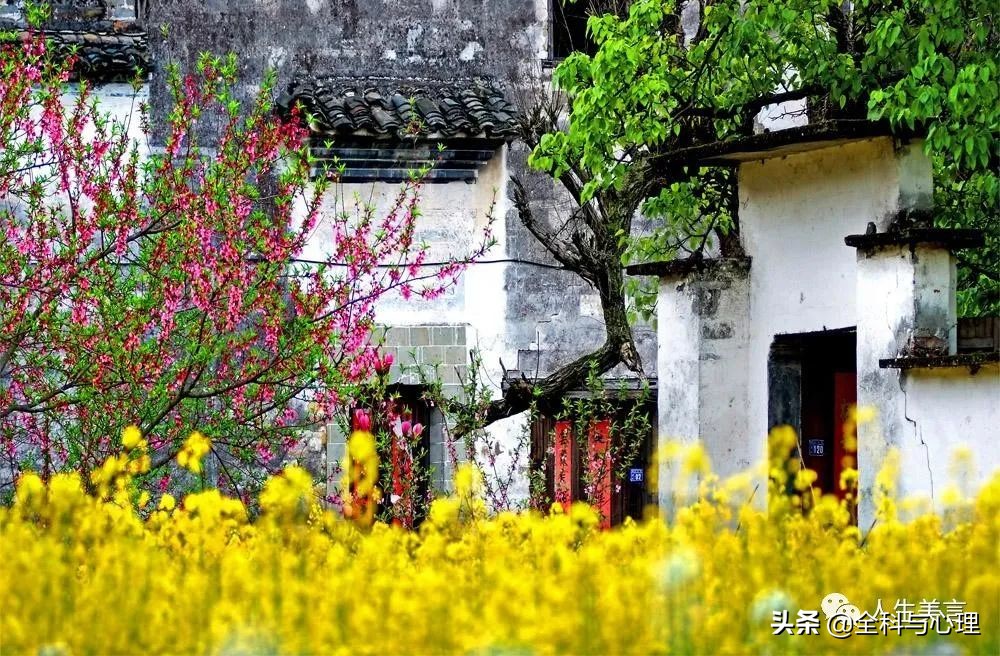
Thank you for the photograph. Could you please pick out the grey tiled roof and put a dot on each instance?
(106, 56)
(100, 56)
(410, 110)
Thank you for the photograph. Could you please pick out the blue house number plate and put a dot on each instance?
(816, 448)
(635, 475)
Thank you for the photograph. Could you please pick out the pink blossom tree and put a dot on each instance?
(166, 290)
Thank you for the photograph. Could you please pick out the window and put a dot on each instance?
(568, 31)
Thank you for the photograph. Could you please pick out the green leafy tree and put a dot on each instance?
(653, 89)
(655, 85)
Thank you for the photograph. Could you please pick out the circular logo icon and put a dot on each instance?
(841, 614)
(832, 602)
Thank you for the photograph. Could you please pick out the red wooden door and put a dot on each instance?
(845, 397)
(563, 464)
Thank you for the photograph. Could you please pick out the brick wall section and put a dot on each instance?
(440, 349)
(336, 451)
(432, 349)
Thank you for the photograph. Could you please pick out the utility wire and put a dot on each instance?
(542, 265)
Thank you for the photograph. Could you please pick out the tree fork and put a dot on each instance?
(548, 392)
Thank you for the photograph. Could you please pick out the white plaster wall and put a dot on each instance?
(122, 102)
(885, 296)
(678, 328)
(678, 389)
(794, 214)
(925, 414)
(947, 409)
(453, 216)
(724, 385)
(701, 359)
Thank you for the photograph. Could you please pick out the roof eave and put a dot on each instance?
(768, 145)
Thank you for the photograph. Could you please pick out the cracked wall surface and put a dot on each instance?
(795, 212)
(926, 414)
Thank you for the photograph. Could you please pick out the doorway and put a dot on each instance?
(812, 386)
(590, 461)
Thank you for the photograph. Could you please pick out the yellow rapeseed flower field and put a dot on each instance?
(96, 574)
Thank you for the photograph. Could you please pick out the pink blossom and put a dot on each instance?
(362, 421)
(210, 320)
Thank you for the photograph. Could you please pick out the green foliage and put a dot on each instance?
(649, 92)
(36, 13)
(627, 418)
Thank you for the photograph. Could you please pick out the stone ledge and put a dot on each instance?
(685, 267)
(951, 238)
(971, 360)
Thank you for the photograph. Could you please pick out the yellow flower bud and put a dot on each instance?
(131, 437)
(167, 502)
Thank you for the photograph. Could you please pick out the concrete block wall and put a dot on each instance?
(437, 351)
(336, 451)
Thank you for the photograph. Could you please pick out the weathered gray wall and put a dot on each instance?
(396, 39)
(554, 316)
(511, 310)
(438, 39)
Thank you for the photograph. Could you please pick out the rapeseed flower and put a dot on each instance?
(132, 438)
(195, 448)
(92, 574)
